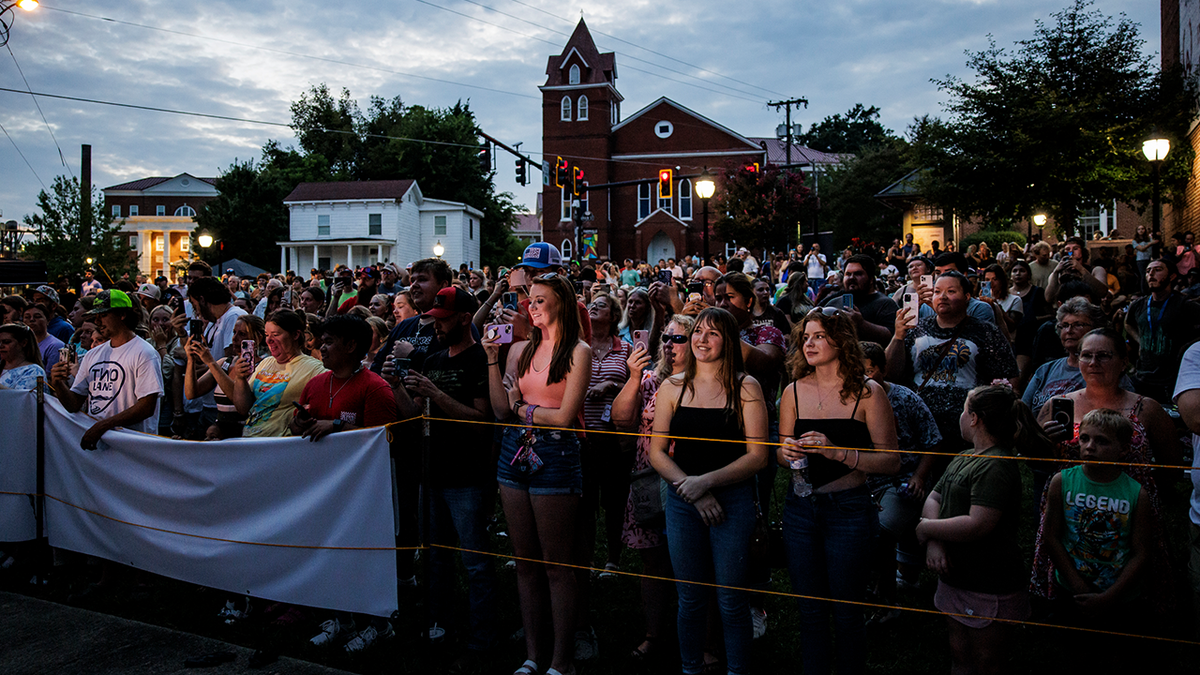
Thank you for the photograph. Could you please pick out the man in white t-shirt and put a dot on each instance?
(1187, 398)
(212, 302)
(120, 379)
(817, 266)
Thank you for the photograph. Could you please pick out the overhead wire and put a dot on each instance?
(61, 157)
(18, 149)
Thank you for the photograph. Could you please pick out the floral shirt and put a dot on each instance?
(23, 377)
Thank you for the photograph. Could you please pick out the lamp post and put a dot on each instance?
(7, 15)
(1038, 219)
(1155, 148)
(705, 186)
(93, 261)
(438, 249)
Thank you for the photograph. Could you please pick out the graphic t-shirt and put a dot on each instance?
(275, 387)
(114, 379)
(364, 400)
(979, 355)
(1098, 532)
(468, 460)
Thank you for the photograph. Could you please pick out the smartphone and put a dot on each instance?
(912, 303)
(664, 276)
(510, 301)
(64, 354)
(601, 288)
(247, 352)
(985, 289)
(402, 366)
(927, 281)
(695, 297)
(301, 411)
(641, 338)
(196, 329)
(1062, 410)
(578, 287)
(695, 287)
(848, 301)
(500, 333)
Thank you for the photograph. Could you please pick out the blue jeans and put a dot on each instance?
(458, 515)
(718, 554)
(828, 539)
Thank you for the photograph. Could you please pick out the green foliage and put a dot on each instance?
(59, 243)
(1055, 125)
(248, 217)
(859, 128)
(993, 238)
(760, 208)
(847, 191)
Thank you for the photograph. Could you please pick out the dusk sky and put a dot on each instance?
(250, 60)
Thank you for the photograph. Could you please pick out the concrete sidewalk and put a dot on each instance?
(44, 637)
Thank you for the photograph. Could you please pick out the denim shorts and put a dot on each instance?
(560, 473)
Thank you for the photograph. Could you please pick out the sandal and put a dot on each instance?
(527, 668)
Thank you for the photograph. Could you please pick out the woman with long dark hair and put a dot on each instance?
(710, 508)
(542, 383)
(20, 361)
(829, 419)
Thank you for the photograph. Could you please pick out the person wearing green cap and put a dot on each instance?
(119, 379)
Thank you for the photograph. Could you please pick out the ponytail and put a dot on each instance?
(1006, 417)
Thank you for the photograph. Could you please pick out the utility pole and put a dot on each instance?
(85, 197)
(787, 106)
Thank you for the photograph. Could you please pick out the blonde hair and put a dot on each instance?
(1111, 423)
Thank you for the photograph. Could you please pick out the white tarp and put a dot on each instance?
(18, 464)
(279, 491)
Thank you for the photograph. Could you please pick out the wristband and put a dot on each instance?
(529, 414)
(517, 407)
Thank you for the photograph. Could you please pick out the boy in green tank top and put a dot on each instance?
(1097, 519)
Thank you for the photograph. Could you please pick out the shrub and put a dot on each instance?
(993, 238)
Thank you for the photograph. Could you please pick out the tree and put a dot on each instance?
(859, 128)
(847, 190)
(760, 208)
(59, 243)
(329, 128)
(248, 217)
(1055, 126)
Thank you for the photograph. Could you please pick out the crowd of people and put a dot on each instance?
(897, 390)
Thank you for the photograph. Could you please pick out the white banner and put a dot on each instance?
(18, 464)
(249, 506)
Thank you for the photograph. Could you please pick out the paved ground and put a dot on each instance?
(42, 637)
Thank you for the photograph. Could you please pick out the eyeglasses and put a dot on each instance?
(1095, 357)
(1072, 325)
(827, 311)
(674, 339)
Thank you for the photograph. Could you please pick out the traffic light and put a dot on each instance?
(520, 171)
(561, 175)
(664, 183)
(485, 157)
(752, 168)
(577, 181)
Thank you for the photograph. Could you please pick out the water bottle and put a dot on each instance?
(800, 485)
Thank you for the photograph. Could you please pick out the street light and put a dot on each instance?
(438, 250)
(1039, 220)
(93, 261)
(705, 186)
(205, 239)
(1155, 148)
(6, 15)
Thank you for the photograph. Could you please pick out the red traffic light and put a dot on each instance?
(577, 182)
(561, 173)
(664, 183)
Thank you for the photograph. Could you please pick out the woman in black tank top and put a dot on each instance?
(718, 419)
(832, 416)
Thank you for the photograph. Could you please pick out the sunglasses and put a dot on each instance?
(549, 276)
(674, 339)
(827, 311)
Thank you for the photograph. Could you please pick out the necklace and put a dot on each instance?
(821, 397)
(333, 393)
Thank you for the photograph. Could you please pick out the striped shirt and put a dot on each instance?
(597, 412)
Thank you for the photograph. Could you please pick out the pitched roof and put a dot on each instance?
(777, 153)
(663, 100)
(597, 68)
(349, 190)
(143, 183)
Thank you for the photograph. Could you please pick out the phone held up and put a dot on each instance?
(247, 352)
(912, 303)
(499, 333)
(1062, 410)
(641, 338)
(510, 301)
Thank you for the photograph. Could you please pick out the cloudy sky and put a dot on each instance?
(250, 59)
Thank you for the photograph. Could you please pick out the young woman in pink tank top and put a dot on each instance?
(541, 387)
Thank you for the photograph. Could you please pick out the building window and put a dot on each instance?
(133, 210)
(133, 241)
(664, 203)
(186, 211)
(731, 249)
(185, 244)
(663, 129)
(160, 210)
(471, 230)
(1094, 219)
(566, 109)
(322, 263)
(439, 225)
(583, 109)
(565, 249)
(374, 224)
(158, 244)
(644, 200)
(925, 213)
(116, 210)
(573, 76)
(322, 226)
(584, 206)
(685, 199)
(565, 208)
(614, 109)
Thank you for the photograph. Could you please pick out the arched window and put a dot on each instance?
(582, 110)
(566, 109)
(573, 77)
(565, 249)
(685, 199)
(185, 210)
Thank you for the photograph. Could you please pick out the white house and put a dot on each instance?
(360, 223)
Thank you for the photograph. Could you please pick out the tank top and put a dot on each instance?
(1098, 517)
(841, 432)
(535, 389)
(698, 457)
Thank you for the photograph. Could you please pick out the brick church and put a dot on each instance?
(582, 123)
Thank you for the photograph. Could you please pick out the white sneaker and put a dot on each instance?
(367, 637)
(758, 617)
(329, 631)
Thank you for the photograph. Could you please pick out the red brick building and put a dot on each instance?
(582, 123)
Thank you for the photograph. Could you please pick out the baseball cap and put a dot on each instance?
(48, 292)
(370, 272)
(450, 301)
(541, 255)
(150, 291)
(106, 301)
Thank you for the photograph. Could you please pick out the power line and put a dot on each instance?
(35, 173)
(296, 54)
(39, 108)
(665, 56)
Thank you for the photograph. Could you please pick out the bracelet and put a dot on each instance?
(517, 406)
(529, 414)
(855, 460)
(493, 363)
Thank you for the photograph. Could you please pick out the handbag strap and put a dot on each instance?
(943, 351)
